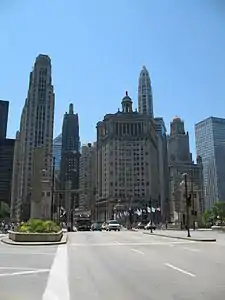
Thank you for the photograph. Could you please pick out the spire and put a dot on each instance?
(71, 109)
(145, 99)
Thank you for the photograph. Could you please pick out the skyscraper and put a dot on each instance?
(70, 154)
(4, 107)
(36, 130)
(57, 148)
(145, 98)
(180, 163)
(210, 145)
(127, 161)
(6, 155)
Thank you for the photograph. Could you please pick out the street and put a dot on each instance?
(114, 265)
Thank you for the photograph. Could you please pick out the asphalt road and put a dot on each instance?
(114, 265)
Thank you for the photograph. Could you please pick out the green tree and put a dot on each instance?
(219, 211)
(4, 210)
(208, 218)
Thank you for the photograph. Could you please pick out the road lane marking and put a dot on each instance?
(126, 244)
(24, 273)
(57, 285)
(26, 253)
(191, 249)
(180, 270)
(138, 251)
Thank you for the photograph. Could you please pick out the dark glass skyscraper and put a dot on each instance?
(70, 154)
(4, 108)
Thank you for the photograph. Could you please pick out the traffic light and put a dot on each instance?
(189, 200)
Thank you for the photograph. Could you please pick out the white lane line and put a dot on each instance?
(26, 253)
(15, 268)
(180, 270)
(24, 273)
(125, 244)
(58, 286)
(191, 249)
(137, 251)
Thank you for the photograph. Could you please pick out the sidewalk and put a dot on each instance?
(197, 236)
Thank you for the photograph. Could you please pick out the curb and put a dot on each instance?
(183, 238)
(12, 243)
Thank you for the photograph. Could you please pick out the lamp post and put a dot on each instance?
(53, 188)
(187, 198)
(150, 204)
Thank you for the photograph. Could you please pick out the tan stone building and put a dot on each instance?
(127, 161)
(180, 162)
(36, 129)
(87, 177)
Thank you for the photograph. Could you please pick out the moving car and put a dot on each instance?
(149, 226)
(96, 227)
(141, 225)
(113, 225)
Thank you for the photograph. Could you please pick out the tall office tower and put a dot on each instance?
(4, 108)
(127, 161)
(145, 98)
(70, 154)
(6, 155)
(87, 177)
(36, 130)
(210, 145)
(180, 163)
(163, 166)
(57, 148)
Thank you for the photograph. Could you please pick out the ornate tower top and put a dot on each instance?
(127, 104)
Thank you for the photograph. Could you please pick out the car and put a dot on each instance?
(141, 225)
(96, 227)
(113, 225)
(150, 225)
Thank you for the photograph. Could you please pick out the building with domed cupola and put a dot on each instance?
(127, 161)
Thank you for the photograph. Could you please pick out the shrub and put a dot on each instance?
(38, 226)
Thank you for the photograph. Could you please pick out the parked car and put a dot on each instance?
(141, 225)
(96, 227)
(149, 226)
(113, 225)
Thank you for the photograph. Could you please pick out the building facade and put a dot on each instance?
(6, 155)
(70, 154)
(87, 177)
(127, 161)
(36, 130)
(163, 167)
(145, 98)
(210, 145)
(180, 163)
(57, 148)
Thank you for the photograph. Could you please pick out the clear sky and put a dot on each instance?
(98, 48)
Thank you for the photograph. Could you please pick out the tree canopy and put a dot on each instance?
(217, 213)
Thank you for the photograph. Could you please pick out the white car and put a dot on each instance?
(113, 225)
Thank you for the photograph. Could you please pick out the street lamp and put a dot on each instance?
(53, 188)
(187, 198)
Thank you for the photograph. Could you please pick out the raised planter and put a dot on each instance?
(35, 237)
(219, 228)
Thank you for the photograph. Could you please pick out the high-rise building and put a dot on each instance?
(36, 130)
(180, 163)
(87, 177)
(127, 161)
(70, 154)
(57, 148)
(145, 98)
(163, 166)
(6, 155)
(4, 108)
(210, 145)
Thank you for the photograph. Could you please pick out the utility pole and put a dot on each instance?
(187, 205)
(53, 189)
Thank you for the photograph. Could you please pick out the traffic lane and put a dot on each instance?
(24, 271)
(193, 261)
(125, 272)
(124, 237)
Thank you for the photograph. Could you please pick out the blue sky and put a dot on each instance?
(98, 48)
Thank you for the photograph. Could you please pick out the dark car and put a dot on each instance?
(150, 225)
(96, 227)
